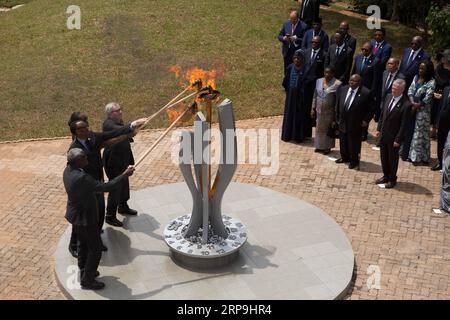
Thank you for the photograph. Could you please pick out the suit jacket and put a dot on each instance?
(118, 157)
(412, 68)
(81, 207)
(309, 35)
(370, 73)
(286, 29)
(341, 63)
(96, 140)
(383, 53)
(349, 41)
(350, 120)
(310, 12)
(317, 66)
(392, 123)
(444, 110)
(382, 89)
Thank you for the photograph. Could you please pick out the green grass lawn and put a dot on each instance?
(124, 48)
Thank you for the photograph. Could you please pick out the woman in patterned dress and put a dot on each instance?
(324, 100)
(420, 94)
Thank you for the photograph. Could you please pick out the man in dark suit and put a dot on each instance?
(309, 11)
(391, 74)
(349, 40)
(339, 56)
(116, 159)
(396, 110)
(291, 36)
(314, 32)
(353, 112)
(369, 68)
(314, 68)
(443, 125)
(381, 49)
(82, 213)
(412, 57)
(91, 143)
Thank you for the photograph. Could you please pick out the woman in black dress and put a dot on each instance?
(295, 112)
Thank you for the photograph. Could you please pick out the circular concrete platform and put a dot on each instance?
(294, 251)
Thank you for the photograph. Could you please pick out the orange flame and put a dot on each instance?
(174, 112)
(208, 77)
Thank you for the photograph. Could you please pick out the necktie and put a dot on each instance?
(337, 51)
(313, 56)
(304, 8)
(375, 50)
(363, 63)
(391, 105)
(410, 58)
(347, 101)
(388, 82)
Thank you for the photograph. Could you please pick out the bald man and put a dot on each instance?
(412, 57)
(349, 40)
(391, 74)
(291, 36)
(353, 113)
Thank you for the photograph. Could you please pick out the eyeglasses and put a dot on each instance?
(117, 110)
(364, 49)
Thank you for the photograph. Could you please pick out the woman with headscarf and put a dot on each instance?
(296, 113)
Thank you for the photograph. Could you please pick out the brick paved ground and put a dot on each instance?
(393, 229)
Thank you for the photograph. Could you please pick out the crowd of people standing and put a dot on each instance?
(339, 90)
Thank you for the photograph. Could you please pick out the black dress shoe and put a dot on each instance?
(95, 275)
(390, 184)
(381, 180)
(73, 252)
(340, 160)
(127, 210)
(94, 285)
(436, 167)
(114, 221)
(326, 151)
(353, 166)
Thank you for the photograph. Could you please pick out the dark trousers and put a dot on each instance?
(409, 132)
(288, 58)
(441, 137)
(89, 252)
(389, 160)
(101, 209)
(350, 146)
(101, 214)
(117, 197)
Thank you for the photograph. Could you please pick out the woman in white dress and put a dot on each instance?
(324, 100)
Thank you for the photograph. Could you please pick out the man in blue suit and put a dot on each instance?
(369, 68)
(316, 31)
(381, 49)
(412, 57)
(291, 35)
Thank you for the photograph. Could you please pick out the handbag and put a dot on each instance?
(333, 131)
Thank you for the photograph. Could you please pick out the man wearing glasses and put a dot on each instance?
(369, 68)
(412, 57)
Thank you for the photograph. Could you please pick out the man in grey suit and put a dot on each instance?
(82, 213)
